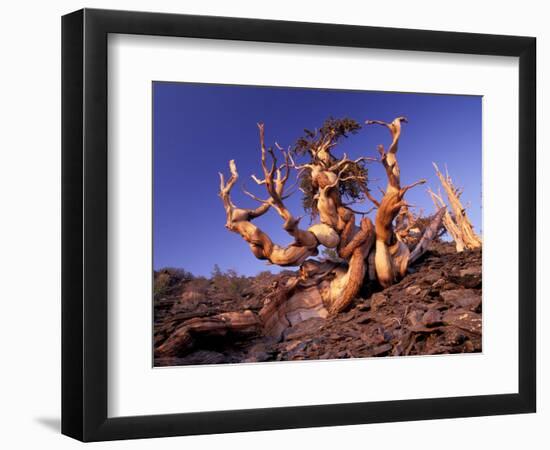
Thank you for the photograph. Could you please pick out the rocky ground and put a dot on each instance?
(435, 309)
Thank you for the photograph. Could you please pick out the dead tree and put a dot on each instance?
(458, 224)
(331, 186)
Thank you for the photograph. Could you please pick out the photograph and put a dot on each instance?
(267, 225)
(314, 224)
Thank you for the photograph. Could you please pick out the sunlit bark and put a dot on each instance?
(458, 225)
(372, 253)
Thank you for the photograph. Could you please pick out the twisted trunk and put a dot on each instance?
(392, 256)
(370, 251)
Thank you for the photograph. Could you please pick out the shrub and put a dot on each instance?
(230, 282)
(167, 278)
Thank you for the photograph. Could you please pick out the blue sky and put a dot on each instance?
(198, 128)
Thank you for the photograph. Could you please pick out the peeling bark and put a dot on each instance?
(373, 252)
(391, 257)
(376, 252)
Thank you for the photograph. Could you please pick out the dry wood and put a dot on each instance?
(368, 253)
(391, 257)
(429, 234)
(182, 340)
(461, 229)
(372, 251)
(448, 221)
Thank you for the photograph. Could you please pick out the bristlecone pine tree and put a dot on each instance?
(372, 253)
(458, 224)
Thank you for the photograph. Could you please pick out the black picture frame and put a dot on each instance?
(84, 224)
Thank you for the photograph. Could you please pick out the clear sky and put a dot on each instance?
(198, 128)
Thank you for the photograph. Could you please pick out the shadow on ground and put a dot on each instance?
(52, 423)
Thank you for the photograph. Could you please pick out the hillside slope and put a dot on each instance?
(436, 309)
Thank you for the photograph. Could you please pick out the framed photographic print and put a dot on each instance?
(273, 224)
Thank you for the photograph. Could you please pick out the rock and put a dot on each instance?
(453, 336)
(309, 326)
(430, 278)
(257, 357)
(431, 318)
(463, 298)
(465, 320)
(381, 349)
(363, 318)
(413, 290)
(377, 301)
(364, 306)
(380, 336)
(415, 317)
(469, 346)
(435, 309)
(346, 317)
(203, 357)
(258, 353)
(469, 277)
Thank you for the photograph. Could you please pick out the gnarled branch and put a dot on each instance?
(463, 229)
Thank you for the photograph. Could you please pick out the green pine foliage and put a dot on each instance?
(334, 130)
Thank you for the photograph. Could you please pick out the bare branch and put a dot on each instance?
(345, 161)
(257, 180)
(430, 233)
(362, 213)
(234, 214)
(461, 229)
(410, 186)
(394, 128)
(299, 167)
(252, 196)
(371, 198)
